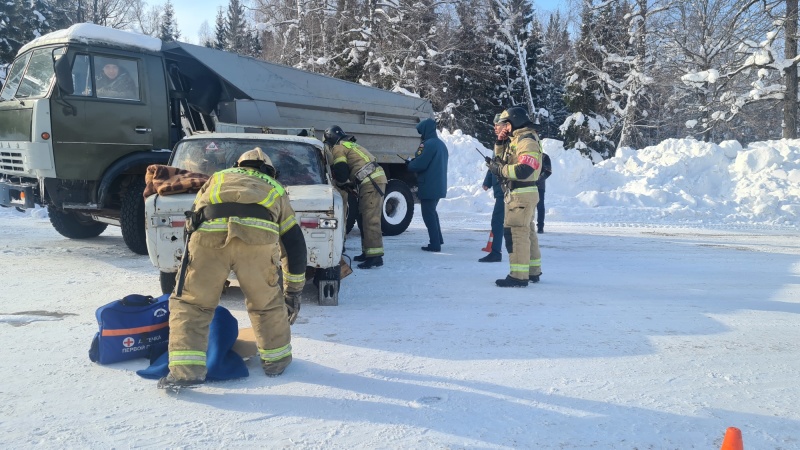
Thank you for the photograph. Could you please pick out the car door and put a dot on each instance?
(93, 128)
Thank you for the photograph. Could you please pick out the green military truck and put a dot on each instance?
(85, 110)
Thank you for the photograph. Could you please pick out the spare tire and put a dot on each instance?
(398, 208)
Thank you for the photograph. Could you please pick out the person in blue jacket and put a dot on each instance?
(430, 164)
(498, 214)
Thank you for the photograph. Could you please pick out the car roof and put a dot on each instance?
(255, 136)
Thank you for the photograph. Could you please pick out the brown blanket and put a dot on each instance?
(167, 180)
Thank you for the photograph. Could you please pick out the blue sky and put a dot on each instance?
(192, 13)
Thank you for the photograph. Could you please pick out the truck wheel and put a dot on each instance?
(352, 213)
(168, 281)
(131, 216)
(74, 225)
(398, 208)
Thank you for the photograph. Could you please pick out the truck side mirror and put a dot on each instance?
(63, 73)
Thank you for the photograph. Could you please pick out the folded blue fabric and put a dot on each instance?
(222, 362)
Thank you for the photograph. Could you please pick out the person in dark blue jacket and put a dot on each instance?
(498, 214)
(430, 164)
(499, 211)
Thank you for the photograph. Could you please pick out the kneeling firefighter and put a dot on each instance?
(354, 167)
(241, 220)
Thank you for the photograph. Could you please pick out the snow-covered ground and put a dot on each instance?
(667, 312)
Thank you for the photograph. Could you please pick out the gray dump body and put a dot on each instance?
(260, 93)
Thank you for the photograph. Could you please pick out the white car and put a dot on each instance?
(302, 170)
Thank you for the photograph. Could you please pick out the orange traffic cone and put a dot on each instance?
(488, 247)
(733, 439)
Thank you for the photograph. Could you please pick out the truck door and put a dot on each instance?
(108, 116)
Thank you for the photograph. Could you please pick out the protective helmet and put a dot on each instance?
(517, 116)
(334, 134)
(257, 159)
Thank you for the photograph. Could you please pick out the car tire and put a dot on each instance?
(168, 280)
(74, 225)
(131, 216)
(398, 208)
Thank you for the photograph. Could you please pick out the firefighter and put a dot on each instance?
(241, 220)
(354, 168)
(518, 166)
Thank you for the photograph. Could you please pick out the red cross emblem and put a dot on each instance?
(128, 342)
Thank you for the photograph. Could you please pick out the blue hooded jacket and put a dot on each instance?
(430, 163)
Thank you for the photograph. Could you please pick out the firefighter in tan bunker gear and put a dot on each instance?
(518, 166)
(354, 167)
(241, 221)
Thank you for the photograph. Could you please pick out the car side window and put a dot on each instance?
(116, 78)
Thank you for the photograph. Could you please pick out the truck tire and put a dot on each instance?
(131, 216)
(398, 208)
(168, 281)
(74, 225)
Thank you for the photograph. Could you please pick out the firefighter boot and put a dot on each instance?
(170, 382)
(360, 258)
(275, 368)
(372, 261)
(510, 281)
(534, 278)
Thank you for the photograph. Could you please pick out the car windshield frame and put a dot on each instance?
(297, 163)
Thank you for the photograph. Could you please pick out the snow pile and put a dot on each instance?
(88, 32)
(679, 181)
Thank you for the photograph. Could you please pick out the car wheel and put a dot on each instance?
(131, 216)
(74, 225)
(398, 208)
(168, 281)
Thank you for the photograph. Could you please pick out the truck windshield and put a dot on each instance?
(31, 75)
(298, 163)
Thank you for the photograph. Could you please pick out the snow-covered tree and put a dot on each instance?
(590, 126)
(168, 31)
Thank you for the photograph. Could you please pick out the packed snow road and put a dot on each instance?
(637, 337)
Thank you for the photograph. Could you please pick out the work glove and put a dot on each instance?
(347, 186)
(292, 300)
(496, 167)
(487, 159)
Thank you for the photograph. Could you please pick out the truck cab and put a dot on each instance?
(77, 139)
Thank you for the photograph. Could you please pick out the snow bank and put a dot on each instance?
(679, 181)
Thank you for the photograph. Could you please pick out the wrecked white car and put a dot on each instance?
(302, 170)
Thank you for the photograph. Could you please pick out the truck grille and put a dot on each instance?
(11, 161)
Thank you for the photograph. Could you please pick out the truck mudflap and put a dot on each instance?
(18, 195)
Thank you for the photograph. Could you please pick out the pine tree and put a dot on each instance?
(470, 77)
(557, 54)
(168, 31)
(236, 28)
(587, 129)
(220, 32)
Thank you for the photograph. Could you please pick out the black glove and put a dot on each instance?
(496, 167)
(488, 160)
(292, 300)
(347, 186)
